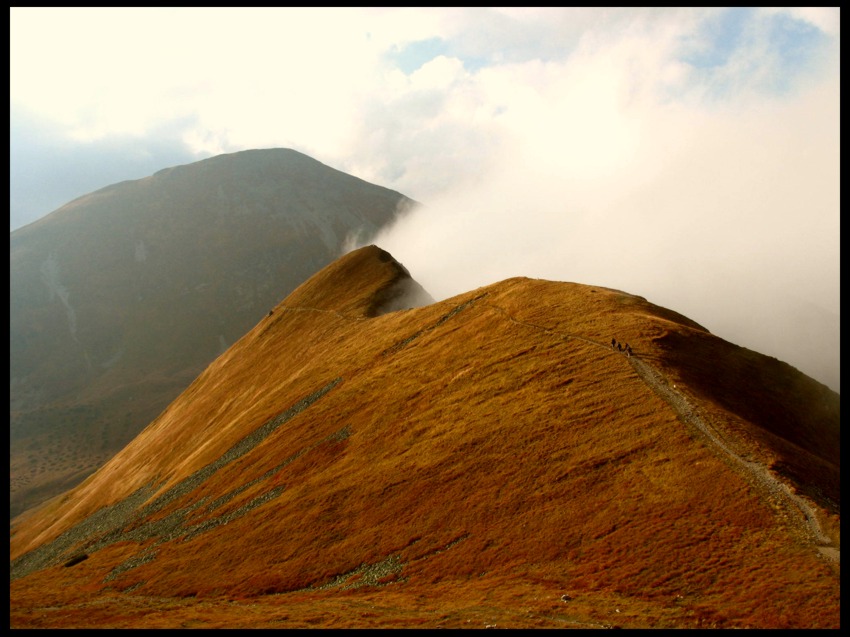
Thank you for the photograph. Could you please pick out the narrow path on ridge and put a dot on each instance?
(287, 308)
(759, 475)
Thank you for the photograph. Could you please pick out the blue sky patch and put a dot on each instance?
(794, 41)
(723, 34)
(787, 47)
(415, 54)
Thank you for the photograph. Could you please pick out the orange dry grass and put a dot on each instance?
(503, 457)
(792, 420)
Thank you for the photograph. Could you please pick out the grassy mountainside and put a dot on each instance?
(121, 298)
(485, 460)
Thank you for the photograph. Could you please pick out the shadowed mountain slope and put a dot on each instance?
(122, 297)
(486, 460)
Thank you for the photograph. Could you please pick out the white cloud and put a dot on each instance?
(725, 211)
(569, 144)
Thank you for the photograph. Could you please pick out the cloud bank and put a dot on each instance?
(690, 156)
(729, 218)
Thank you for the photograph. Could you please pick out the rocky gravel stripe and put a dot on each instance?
(372, 574)
(100, 522)
(800, 513)
(172, 527)
(129, 520)
(403, 343)
(369, 574)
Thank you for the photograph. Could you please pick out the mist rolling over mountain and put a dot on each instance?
(753, 257)
(689, 154)
(120, 298)
(495, 459)
(591, 381)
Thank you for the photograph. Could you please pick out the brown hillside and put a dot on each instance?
(485, 460)
(119, 299)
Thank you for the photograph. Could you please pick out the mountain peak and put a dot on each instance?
(123, 296)
(365, 282)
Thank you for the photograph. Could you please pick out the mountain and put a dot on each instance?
(119, 299)
(487, 460)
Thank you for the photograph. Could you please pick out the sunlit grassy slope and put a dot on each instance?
(120, 298)
(485, 460)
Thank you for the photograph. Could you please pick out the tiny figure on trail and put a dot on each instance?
(619, 347)
(628, 350)
(613, 343)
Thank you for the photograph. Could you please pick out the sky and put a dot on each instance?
(689, 156)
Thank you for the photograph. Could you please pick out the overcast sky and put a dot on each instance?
(690, 156)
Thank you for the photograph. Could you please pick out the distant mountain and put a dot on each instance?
(120, 298)
(495, 459)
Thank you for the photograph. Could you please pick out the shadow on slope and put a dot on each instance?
(794, 415)
(490, 452)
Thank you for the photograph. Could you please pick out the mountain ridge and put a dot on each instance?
(123, 296)
(488, 458)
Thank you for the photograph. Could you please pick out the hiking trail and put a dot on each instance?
(799, 512)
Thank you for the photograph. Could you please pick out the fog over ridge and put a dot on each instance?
(728, 222)
(689, 155)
